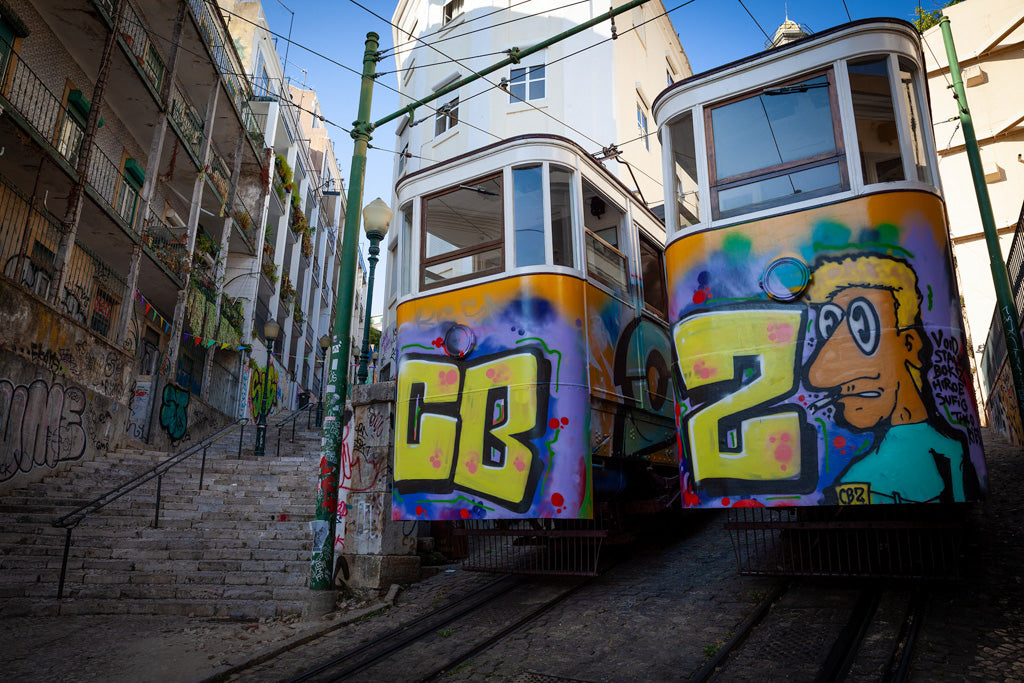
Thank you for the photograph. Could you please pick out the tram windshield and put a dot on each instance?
(463, 230)
(772, 145)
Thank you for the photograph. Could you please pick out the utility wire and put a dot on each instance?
(848, 17)
(424, 66)
(443, 28)
(767, 37)
(483, 78)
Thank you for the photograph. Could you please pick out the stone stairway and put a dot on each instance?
(239, 547)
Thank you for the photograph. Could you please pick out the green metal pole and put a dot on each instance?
(321, 569)
(364, 357)
(1004, 296)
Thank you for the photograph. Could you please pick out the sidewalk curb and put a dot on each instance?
(244, 662)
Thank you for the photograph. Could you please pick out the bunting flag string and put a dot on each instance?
(196, 340)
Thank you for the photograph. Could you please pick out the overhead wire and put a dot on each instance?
(444, 28)
(848, 17)
(767, 37)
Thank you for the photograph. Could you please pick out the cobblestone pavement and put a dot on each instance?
(656, 616)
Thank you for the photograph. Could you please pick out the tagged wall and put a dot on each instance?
(1003, 413)
(857, 391)
(181, 418)
(64, 392)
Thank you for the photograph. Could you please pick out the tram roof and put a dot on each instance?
(777, 51)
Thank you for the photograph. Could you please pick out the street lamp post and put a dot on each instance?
(325, 343)
(376, 217)
(270, 331)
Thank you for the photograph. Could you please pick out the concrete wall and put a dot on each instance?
(180, 419)
(64, 392)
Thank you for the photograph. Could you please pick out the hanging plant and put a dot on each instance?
(298, 314)
(307, 245)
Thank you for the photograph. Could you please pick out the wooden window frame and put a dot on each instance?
(457, 254)
(768, 172)
(641, 238)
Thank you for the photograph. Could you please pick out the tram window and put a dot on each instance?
(877, 135)
(392, 291)
(777, 146)
(652, 271)
(684, 156)
(462, 233)
(528, 214)
(909, 94)
(405, 238)
(561, 217)
(603, 220)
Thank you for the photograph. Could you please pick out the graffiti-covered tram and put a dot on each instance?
(533, 351)
(818, 340)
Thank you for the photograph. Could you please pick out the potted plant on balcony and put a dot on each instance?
(269, 271)
(287, 290)
(206, 249)
(299, 319)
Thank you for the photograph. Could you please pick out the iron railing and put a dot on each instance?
(166, 247)
(227, 62)
(50, 118)
(243, 218)
(291, 421)
(186, 119)
(29, 244)
(72, 519)
(995, 345)
(136, 35)
(219, 176)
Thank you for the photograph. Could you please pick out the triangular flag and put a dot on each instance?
(198, 339)
(147, 308)
(224, 346)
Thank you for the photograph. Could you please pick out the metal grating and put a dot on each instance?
(533, 546)
(907, 541)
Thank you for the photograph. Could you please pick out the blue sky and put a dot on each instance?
(712, 32)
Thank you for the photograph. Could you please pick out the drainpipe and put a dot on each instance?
(178, 325)
(74, 210)
(1004, 295)
(156, 147)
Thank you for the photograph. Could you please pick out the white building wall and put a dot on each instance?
(989, 39)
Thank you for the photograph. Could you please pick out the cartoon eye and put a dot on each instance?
(829, 318)
(864, 325)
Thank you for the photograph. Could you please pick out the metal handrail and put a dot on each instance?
(76, 516)
(293, 419)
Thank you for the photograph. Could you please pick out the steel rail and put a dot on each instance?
(402, 636)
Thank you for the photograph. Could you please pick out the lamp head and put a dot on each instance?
(325, 341)
(270, 330)
(376, 217)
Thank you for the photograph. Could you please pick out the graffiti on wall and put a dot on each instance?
(174, 412)
(1003, 412)
(849, 386)
(40, 425)
(492, 411)
(264, 391)
(138, 422)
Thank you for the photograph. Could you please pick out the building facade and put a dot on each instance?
(137, 177)
(989, 39)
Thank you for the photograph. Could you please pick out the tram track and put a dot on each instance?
(874, 639)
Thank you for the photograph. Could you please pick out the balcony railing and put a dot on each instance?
(219, 176)
(30, 240)
(46, 114)
(244, 220)
(227, 62)
(187, 120)
(136, 35)
(166, 247)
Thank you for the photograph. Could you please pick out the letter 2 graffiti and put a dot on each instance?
(174, 411)
(471, 425)
(39, 425)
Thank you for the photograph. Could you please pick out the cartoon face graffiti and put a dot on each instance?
(871, 360)
(867, 359)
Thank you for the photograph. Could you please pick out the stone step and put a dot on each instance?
(240, 607)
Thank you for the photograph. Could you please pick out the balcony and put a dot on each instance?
(137, 42)
(166, 248)
(30, 240)
(47, 118)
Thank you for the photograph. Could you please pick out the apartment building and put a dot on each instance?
(139, 171)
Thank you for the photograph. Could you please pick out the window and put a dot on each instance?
(641, 123)
(102, 311)
(652, 273)
(463, 230)
(603, 220)
(910, 97)
(405, 238)
(528, 214)
(132, 178)
(447, 117)
(452, 9)
(392, 271)
(72, 126)
(684, 156)
(777, 146)
(561, 217)
(668, 76)
(526, 83)
(402, 158)
(877, 136)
